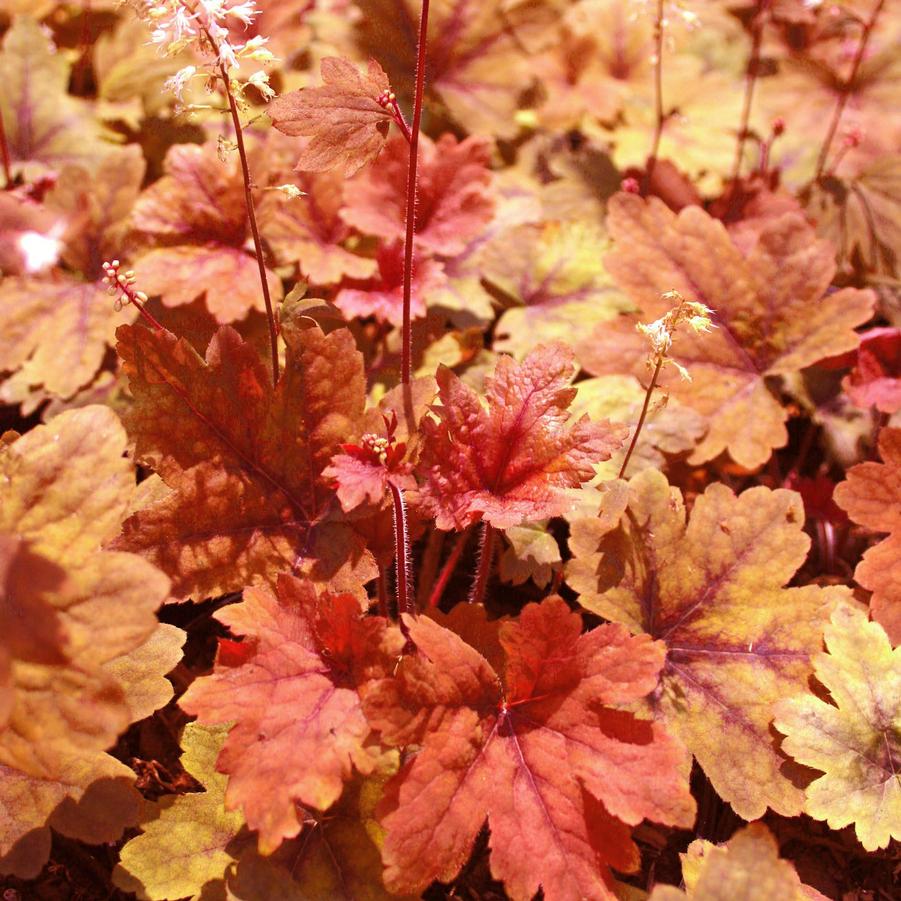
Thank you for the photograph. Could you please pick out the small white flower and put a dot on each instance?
(178, 82)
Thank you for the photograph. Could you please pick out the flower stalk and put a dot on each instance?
(845, 91)
(407, 328)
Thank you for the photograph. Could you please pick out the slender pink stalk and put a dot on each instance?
(407, 337)
(402, 553)
(751, 73)
(447, 570)
(486, 559)
(642, 417)
(658, 95)
(845, 92)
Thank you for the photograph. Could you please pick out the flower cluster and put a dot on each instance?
(204, 26)
(660, 333)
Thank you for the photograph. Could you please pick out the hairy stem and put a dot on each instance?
(448, 569)
(751, 74)
(486, 558)
(402, 553)
(845, 92)
(252, 217)
(658, 95)
(643, 416)
(407, 337)
(4, 156)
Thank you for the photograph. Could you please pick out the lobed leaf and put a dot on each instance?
(508, 463)
(771, 310)
(544, 734)
(871, 495)
(291, 690)
(343, 119)
(737, 641)
(244, 460)
(856, 739)
(454, 201)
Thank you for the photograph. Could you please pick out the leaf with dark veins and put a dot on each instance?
(737, 641)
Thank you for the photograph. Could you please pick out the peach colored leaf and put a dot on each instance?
(508, 464)
(737, 641)
(771, 309)
(475, 66)
(308, 230)
(871, 496)
(855, 740)
(53, 335)
(454, 202)
(190, 840)
(568, 771)
(746, 868)
(196, 214)
(244, 460)
(45, 127)
(382, 295)
(291, 689)
(63, 490)
(344, 120)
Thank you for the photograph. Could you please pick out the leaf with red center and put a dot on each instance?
(568, 773)
(736, 640)
(875, 379)
(382, 296)
(308, 230)
(871, 496)
(453, 198)
(344, 119)
(299, 727)
(244, 459)
(45, 127)
(508, 464)
(771, 309)
(196, 214)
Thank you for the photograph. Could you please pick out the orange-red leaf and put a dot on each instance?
(382, 296)
(871, 496)
(453, 199)
(343, 119)
(244, 459)
(291, 689)
(508, 463)
(538, 750)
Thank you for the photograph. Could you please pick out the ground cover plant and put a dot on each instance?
(450, 450)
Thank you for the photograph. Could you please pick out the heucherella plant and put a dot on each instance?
(450, 450)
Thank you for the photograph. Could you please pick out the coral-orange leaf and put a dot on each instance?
(508, 464)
